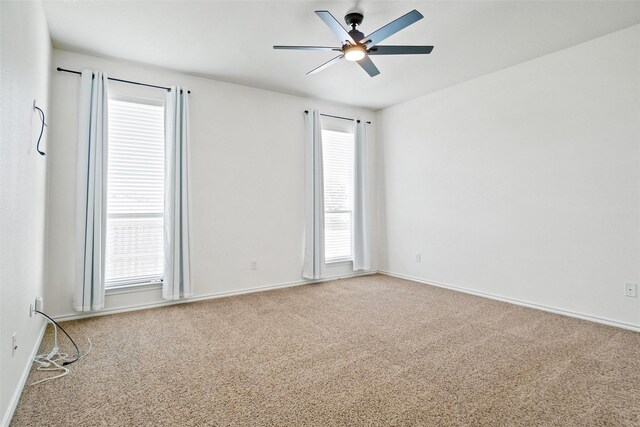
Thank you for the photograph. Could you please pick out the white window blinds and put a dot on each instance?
(135, 192)
(338, 152)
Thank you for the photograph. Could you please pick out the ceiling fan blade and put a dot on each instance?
(307, 48)
(327, 64)
(393, 27)
(367, 64)
(400, 50)
(335, 26)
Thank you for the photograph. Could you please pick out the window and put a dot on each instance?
(135, 192)
(338, 153)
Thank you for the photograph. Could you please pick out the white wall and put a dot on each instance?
(25, 52)
(247, 174)
(524, 183)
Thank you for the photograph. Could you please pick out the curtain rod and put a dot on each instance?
(337, 117)
(168, 89)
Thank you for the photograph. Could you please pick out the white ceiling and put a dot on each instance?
(232, 40)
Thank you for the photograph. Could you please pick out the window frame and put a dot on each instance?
(151, 281)
(342, 126)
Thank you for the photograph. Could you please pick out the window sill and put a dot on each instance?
(133, 287)
(339, 262)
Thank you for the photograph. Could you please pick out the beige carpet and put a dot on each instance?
(365, 351)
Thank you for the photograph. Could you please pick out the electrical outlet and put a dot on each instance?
(37, 305)
(631, 289)
(14, 344)
(254, 265)
(418, 257)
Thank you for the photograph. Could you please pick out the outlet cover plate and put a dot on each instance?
(631, 289)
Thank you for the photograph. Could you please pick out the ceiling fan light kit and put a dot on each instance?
(354, 53)
(357, 47)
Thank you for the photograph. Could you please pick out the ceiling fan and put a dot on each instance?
(357, 47)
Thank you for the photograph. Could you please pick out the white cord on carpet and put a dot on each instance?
(55, 358)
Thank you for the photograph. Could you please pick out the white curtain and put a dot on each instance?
(314, 260)
(91, 191)
(360, 235)
(177, 241)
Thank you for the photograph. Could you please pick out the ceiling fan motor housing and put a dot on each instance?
(356, 35)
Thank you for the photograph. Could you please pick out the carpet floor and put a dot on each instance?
(371, 350)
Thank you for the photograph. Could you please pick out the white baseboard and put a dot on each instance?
(583, 316)
(74, 316)
(23, 380)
